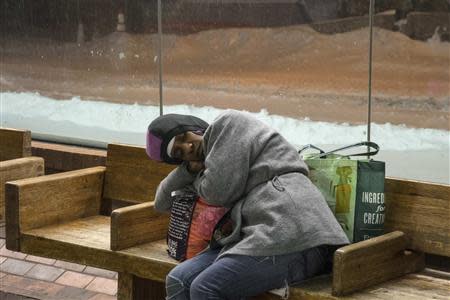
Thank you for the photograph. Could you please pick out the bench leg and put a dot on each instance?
(148, 289)
(125, 286)
(131, 287)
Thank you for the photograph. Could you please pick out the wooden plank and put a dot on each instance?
(17, 169)
(417, 188)
(425, 220)
(411, 286)
(137, 224)
(51, 199)
(150, 260)
(421, 285)
(130, 175)
(12, 217)
(146, 266)
(14, 143)
(317, 288)
(125, 286)
(370, 262)
(99, 257)
(154, 251)
(91, 232)
(81, 240)
(62, 158)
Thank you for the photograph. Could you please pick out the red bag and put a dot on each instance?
(191, 224)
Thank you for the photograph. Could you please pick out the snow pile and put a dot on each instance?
(110, 122)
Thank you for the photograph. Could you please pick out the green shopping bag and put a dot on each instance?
(353, 188)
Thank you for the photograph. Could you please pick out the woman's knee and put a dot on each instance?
(176, 287)
(202, 288)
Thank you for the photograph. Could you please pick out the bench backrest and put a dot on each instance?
(422, 211)
(14, 143)
(130, 175)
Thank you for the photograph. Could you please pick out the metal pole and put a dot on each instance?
(160, 58)
(369, 110)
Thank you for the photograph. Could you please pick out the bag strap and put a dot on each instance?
(372, 145)
(310, 146)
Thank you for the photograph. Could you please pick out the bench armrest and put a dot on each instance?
(25, 165)
(137, 224)
(51, 199)
(18, 169)
(373, 261)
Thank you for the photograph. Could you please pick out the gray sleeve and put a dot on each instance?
(177, 179)
(227, 163)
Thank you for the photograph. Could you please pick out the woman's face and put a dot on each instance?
(188, 146)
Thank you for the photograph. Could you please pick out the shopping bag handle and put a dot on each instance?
(310, 146)
(322, 153)
(372, 145)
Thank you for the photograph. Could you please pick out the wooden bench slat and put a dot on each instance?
(84, 241)
(318, 288)
(62, 158)
(412, 286)
(426, 220)
(417, 188)
(137, 224)
(370, 262)
(16, 169)
(92, 232)
(77, 241)
(130, 175)
(16, 166)
(67, 196)
(14, 143)
(99, 257)
(156, 250)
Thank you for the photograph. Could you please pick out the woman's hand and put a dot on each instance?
(195, 166)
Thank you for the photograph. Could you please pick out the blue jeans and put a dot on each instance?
(239, 276)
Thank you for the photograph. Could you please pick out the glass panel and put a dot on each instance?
(302, 66)
(72, 71)
(411, 88)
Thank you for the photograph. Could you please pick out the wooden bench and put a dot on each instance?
(59, 216)
(15, 160)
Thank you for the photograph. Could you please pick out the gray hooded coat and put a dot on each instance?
(251, 169)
